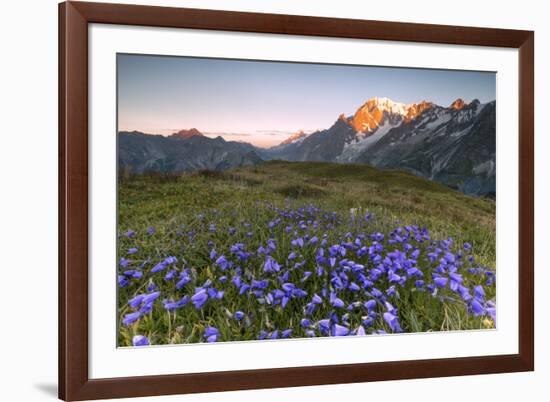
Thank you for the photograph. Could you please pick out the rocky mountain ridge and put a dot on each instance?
(454, 145)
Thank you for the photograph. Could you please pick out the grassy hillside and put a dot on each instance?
(200, 217)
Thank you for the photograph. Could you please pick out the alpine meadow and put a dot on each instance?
(298, 201)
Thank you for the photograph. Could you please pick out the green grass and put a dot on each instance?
(171, 205)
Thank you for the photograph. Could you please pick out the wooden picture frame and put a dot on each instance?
(74, 381)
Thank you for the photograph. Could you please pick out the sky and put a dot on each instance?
(263, 102)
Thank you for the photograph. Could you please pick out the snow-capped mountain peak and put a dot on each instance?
(415, 109)
(299, 135)
(386, 105)
(372, 113)
(458, 104)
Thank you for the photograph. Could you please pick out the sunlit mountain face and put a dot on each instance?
(298, 136)
(193, 132)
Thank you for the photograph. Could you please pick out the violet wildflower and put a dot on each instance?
(171, 306)
(492, 311)
(479, 293)
(184, 280)
(137, 274)
(370, 304)
(199, 298)
(170, 275)
(441, 281)
(131, 318)
(476, 307)
(360, 331)
(211, 334)
(123, 281)
(324, 326)
(222, 262)
(136, 301)
(335, 301)
(339, 330)
(392, 321)
(270, 265)
(151, 297)
(140, 340)
(159, 267)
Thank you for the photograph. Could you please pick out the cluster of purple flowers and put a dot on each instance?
(305, 272)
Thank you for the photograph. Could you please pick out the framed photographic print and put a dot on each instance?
(259, 200)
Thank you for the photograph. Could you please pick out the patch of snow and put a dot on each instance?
(460, 133)
(439, 121)
(439, 164)
(469, 114)
(487, 167)
(362, 142)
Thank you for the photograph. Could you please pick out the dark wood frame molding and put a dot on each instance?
(74, 17)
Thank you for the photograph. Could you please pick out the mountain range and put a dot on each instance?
(186, 150)
(454, 145)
